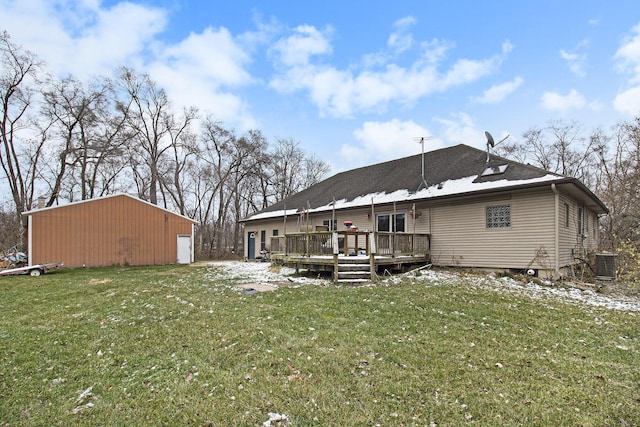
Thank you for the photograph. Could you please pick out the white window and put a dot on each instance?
(384, 222)
(499, 216)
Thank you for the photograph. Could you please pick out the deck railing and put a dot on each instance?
(402, 243)
(351, 243)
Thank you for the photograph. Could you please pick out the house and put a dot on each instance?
(112, 230)
(478, 210)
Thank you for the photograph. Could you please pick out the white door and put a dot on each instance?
(184, 249)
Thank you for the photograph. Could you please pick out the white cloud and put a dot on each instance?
(628, 102)
(86, 39)
(305, 42)
(214, 62)
(342, 93)
(576, 59)
(213, 55)
(435, 50)
(81, 37)
(382, 141)
(497, 93)
(556, 102)
(401, 39)
(462, 130)
(628, 57)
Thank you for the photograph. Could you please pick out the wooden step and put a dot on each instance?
(351, 281)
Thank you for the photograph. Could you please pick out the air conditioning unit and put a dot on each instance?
(606, 266)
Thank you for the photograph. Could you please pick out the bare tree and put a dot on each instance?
(86, 137)
(153, 129)
(101, 158)
(575, 154)
(315, 170)
(560, 147)
(287, 168)
(537, 149)
(183, 147)
(214, 167)
(226, 161)
(251, 155)
(619, 185)
(21, 148)
(10, 229)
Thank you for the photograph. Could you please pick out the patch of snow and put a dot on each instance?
(539, 292)
(278, 419)
(261, 272)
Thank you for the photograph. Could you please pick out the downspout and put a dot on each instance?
(557, 229)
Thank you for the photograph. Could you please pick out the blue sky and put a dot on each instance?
(354, 82)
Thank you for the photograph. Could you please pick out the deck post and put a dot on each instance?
(371, 240)
(336, 251)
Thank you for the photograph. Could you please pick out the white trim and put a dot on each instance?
(193, 242)
(30, 241)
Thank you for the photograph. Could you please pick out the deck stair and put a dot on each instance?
(354, 270)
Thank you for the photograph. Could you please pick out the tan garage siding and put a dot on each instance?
(460, 236)
(116, 230)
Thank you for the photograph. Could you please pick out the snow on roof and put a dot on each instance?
(447, 188)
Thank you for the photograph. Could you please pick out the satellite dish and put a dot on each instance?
(490, 141)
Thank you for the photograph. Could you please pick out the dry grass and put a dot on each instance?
(178, 345)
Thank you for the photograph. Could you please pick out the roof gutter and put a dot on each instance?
(556, 238)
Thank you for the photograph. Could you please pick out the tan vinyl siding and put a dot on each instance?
(423, 222)
(267, 226)
(118, 230)
(460, 236)
(571, 243)
(568, 230)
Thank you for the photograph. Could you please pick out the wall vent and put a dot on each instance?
(606, 266)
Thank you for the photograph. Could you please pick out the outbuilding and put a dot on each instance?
(112, 230)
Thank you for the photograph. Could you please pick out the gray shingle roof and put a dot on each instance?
(441, 165)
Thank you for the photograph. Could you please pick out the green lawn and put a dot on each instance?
(179, 345)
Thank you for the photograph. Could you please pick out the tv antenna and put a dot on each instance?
(491, 142)
(421, 140)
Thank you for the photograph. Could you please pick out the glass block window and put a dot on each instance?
(499, 216)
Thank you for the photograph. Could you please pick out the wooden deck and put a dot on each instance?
(351, 256)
